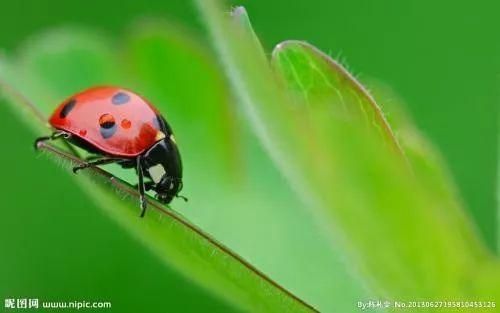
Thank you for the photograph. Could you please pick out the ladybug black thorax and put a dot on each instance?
(162, 164)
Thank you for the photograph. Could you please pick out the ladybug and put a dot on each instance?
(118, 126)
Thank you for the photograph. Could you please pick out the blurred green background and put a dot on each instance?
(442, 58)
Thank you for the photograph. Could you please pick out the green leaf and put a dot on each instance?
(392, 226)
(175, 240)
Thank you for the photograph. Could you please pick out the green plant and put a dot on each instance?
(354, 184)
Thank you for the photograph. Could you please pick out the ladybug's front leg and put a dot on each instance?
(141, 187)
(148, 185)
(55, 135)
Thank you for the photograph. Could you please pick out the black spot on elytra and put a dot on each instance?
(67, 108)
(108, 130)
(107, 125)
(120, 98)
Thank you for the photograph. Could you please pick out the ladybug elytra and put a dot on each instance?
(121, 127)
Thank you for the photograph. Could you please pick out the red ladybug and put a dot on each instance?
(121, 127)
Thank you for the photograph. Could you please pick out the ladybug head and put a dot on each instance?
(163, 165)
(168, 188)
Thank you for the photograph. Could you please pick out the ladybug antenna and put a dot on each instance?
(182, 197)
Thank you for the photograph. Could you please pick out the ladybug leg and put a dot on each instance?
(182, 197)
(55, 135)
(95, 163)
(148, 185)
(178, 195)
(141, 187)
(92, 158)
